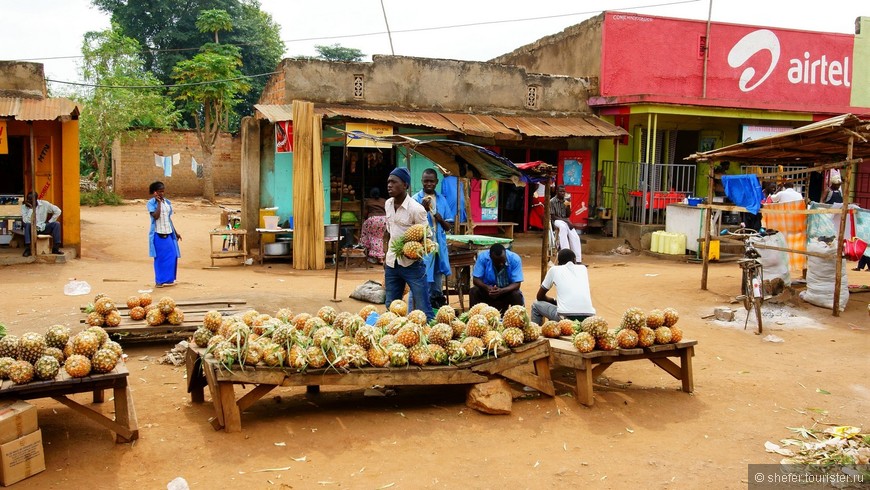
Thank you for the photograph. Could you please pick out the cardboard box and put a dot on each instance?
(21, 458)
(17, 418)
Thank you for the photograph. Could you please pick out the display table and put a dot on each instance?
(274, 232)
(527, 364)
(233, 244)
(462, 253)
(591, 365)
(124, 425)
(506, 229)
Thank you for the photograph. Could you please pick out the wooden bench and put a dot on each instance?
(527, 364)
(591, 365)
(505, 229)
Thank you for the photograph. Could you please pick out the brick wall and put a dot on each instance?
(135, 169)
(273, 92)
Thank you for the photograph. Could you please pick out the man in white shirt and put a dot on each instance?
(560, 213)
(787, 194)
(573, 297)
(46, 222)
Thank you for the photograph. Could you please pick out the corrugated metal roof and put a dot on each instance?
(495, 126)
(37, 109)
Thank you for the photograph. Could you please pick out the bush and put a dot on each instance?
(100, 197)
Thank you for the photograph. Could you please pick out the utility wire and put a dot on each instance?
(191, 84)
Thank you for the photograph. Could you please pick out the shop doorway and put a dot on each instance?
(12, 168)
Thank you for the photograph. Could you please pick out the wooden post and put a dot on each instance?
(33, 231)
(838, 258)
(458, 203)
(708, 214)
(340, 211)
(615, 205)
(545, 243)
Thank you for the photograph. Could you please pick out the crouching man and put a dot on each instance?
(573, 297)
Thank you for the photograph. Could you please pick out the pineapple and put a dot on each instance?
(5, 364)
(284, 314)
(493, 317)
(437, 355)
(354, 323)
(409, 335)
(341, 321)
(385, 319)
(595, 325)
(104, 305)
(137, 313)
(415, 233)
(440, 334)
(455, 352)
(676, 334)
(655, 319)
(551, 330)
(166, 305)
(57, 336)
(646, 337)
(175, 317)
(367, 310)
(214, 340)
(516, 316)
(314, 357)
(85, 343)
(532, 332)
(144, 300)
(104, 361)
(355, 356)
(296, 357)
(55, 353)
(377, 356)
(367, 335)
(419, 355)
(476, 309)
(398, 307)
(312, 325)
(473, 346)
(584, 342)
(413, 250)
(253, 353)
(566, 327)
(394, 326)
(417, 317)
(458, 327)
(273, 354)
(95, 319)
(155, 317)
(445, 314)
(607, 341)
(77, 366)
(671, 317)
(201, 336)
(663, 335)
(492, 342)
(513, 336)
(626, 339)
(31, 347)
(132, 302)
(387, 340)
(398, 355)
(477, 326)
(113, 319)
(327, 314)
(21, 372)
(300, 320)
(113, 346)
(283, 335)
(430, 247)
(212, 320)
(101, 334)
(633, 318)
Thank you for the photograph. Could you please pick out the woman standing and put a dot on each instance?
(162, 238)
(372, 232)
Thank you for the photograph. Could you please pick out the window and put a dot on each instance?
(533, 97)
(358, 87)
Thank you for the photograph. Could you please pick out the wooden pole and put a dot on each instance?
(838, 259)
(340, 211)
(545, 243)
(458, 203)
(614, 206)
(33, 231)
(708, 214)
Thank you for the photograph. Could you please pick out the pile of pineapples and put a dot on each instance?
(636, 329)
(343, 340)
(36, 356)
(415, 244)
(102, 312)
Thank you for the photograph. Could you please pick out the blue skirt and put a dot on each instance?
(166, 260)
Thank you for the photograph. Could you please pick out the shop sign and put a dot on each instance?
(284, 137)
(371, 129)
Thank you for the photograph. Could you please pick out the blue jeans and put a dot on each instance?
(52, 229)
(414, 276)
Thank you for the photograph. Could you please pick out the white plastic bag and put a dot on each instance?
(821, 275)
(774, 263)
(76, 288)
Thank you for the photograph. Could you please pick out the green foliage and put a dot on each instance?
(337, 52)
(100, 197)
(214, 21)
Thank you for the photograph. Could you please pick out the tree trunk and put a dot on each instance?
(101, 171)
(207, 175)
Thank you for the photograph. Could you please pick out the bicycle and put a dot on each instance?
(752, 280)
(233, 221)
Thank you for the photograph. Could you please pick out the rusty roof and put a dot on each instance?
(22, 109)
(496, 126)
(821, 142)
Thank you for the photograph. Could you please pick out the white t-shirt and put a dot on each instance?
(787, 195)
(573, 296)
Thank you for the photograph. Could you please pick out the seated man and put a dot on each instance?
(497, 276)
(559, 212)
(46, 222)
(573, 299)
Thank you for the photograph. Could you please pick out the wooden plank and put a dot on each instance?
(686, 343)
(209, 371)
(188, 302)
(686, 374)
(668, 366)
(252, 396)
(495, 366)
(232, 416)
(125, 413)
(96, 417)
(535, 374)
(660, 347)
(584, 383)
(196, 382)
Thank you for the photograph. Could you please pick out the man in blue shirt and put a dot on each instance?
(438, 263)
(497, 276)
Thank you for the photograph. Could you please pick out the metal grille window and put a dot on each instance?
(533, 96)
(358, 87)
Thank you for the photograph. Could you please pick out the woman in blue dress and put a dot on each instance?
(163, 238)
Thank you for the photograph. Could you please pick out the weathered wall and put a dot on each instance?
(135, 168)
(273, 92)
(575, 52)
(22, 79)
(433, 84)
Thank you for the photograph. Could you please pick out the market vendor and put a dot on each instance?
(560, 210)
(497, 276)
(437, 263)
(402, 213)
(573, 297)
(46, 222)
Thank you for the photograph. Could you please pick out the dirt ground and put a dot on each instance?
(641, 433)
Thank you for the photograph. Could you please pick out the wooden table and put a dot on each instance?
(238, 246)
(505, 229)
(527, 364)
(124, 425)
(275, 232)
(590, 365)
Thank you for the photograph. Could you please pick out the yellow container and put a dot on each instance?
(655, 243)
(677, 244)
(267, 237)
(714, 250)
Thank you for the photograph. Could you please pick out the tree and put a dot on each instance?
(209, 86)
(112, 60)
(171, 31)
(337, 52)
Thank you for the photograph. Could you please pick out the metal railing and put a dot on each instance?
(645, 189)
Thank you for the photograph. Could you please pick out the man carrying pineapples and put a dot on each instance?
(437, 262)
(407, 225)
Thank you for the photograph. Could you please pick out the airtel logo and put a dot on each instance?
(752, 43)
(810, 70)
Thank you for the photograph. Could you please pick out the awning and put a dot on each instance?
(496, 126)
(22, 109)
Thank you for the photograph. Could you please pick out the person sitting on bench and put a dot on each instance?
(560, 211)
(46, 222)
(497, 276)
(573, 298)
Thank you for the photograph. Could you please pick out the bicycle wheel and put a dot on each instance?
(758, 273)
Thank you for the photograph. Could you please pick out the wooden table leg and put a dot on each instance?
(584, 384)
(686, 369)
(99, 396)
(232, 414)
(312, 389)
(196, 382)
(125, 412)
